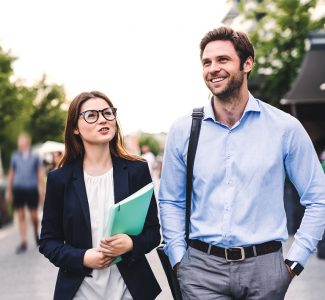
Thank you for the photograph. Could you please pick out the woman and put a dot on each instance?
(95, 172)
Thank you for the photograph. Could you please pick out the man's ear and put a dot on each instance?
(248, 64)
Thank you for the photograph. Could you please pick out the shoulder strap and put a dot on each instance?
(197, 117)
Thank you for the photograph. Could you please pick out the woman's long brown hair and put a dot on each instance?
(74, 148)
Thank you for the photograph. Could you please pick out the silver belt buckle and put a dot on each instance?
(242, 252)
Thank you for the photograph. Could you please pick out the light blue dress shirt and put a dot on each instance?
(238, 182)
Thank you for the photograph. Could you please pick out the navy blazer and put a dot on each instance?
(66, 229)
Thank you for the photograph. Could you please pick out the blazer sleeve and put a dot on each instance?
(150, 236)
(52, 239)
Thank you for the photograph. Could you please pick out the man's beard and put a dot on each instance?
(232, 89)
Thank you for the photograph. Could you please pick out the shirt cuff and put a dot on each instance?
(175, 255)
(298, 253)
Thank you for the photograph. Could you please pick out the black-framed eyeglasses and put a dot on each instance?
(92, 115)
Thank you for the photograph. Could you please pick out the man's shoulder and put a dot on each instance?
(182, 124)
(278, 115)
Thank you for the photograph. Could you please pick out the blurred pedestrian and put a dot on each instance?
(321, 244)
(56, 158)
(151, 160)
(322, 159)
(1, 169)
(25, 187)
(96, 172)
(238, 221)
(293, 208)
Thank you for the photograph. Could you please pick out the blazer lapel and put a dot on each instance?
(80, 188)
(121, 179)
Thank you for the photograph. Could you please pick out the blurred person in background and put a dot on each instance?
(149, 157)
(1, 169)
(94, 173)
(322, 159)
(56, 158)
(153, 164)
(321, 244)
(25, 187)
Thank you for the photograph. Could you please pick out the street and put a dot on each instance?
(31, 276)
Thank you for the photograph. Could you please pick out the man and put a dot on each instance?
(25, 187)
(238, 220)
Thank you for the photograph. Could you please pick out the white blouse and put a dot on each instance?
(106, 283)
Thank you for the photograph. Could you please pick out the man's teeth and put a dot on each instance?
(218, 79)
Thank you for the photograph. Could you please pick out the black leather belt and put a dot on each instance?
(236, 253)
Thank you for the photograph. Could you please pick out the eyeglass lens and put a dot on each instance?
(92, 116)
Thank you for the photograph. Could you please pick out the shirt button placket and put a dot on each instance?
(228, 199)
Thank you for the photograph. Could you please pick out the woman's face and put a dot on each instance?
(101, 131)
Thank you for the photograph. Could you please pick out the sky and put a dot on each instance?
(144, 54)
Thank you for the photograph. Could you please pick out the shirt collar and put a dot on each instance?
(252, 105)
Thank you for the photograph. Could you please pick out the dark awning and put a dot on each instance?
(307, 95)
(309, 86)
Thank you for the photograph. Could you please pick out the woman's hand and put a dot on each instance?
(116, 245)
(95, 259)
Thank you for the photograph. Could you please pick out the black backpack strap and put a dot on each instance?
(197, 116)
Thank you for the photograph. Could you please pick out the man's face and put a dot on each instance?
(23, 143)
(221, 69)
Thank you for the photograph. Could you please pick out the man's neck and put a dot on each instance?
(24, 151)
(229, 111)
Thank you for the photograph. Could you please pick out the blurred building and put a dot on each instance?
(306, 98)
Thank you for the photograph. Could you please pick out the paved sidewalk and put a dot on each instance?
(31, 276)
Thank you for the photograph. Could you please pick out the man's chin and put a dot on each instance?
(217, 91)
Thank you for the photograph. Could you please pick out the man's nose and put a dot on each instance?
(215, 67)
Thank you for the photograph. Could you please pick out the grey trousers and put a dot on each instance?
(206, 277)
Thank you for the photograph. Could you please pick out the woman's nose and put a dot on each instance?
(101, 118)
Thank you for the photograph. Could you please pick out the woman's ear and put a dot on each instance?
(76, 131)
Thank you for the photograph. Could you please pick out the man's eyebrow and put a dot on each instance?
(217, 57)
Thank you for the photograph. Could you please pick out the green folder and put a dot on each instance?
(128, 216)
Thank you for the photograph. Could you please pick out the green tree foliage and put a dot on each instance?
(15, 103)
(37, 110)
(48, 117)
(281, 29)
(149, 140)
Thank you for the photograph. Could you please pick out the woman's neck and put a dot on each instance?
(97, 161)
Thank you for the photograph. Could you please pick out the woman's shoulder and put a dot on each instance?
(133, 165)
(136, 163)
(62, 173)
